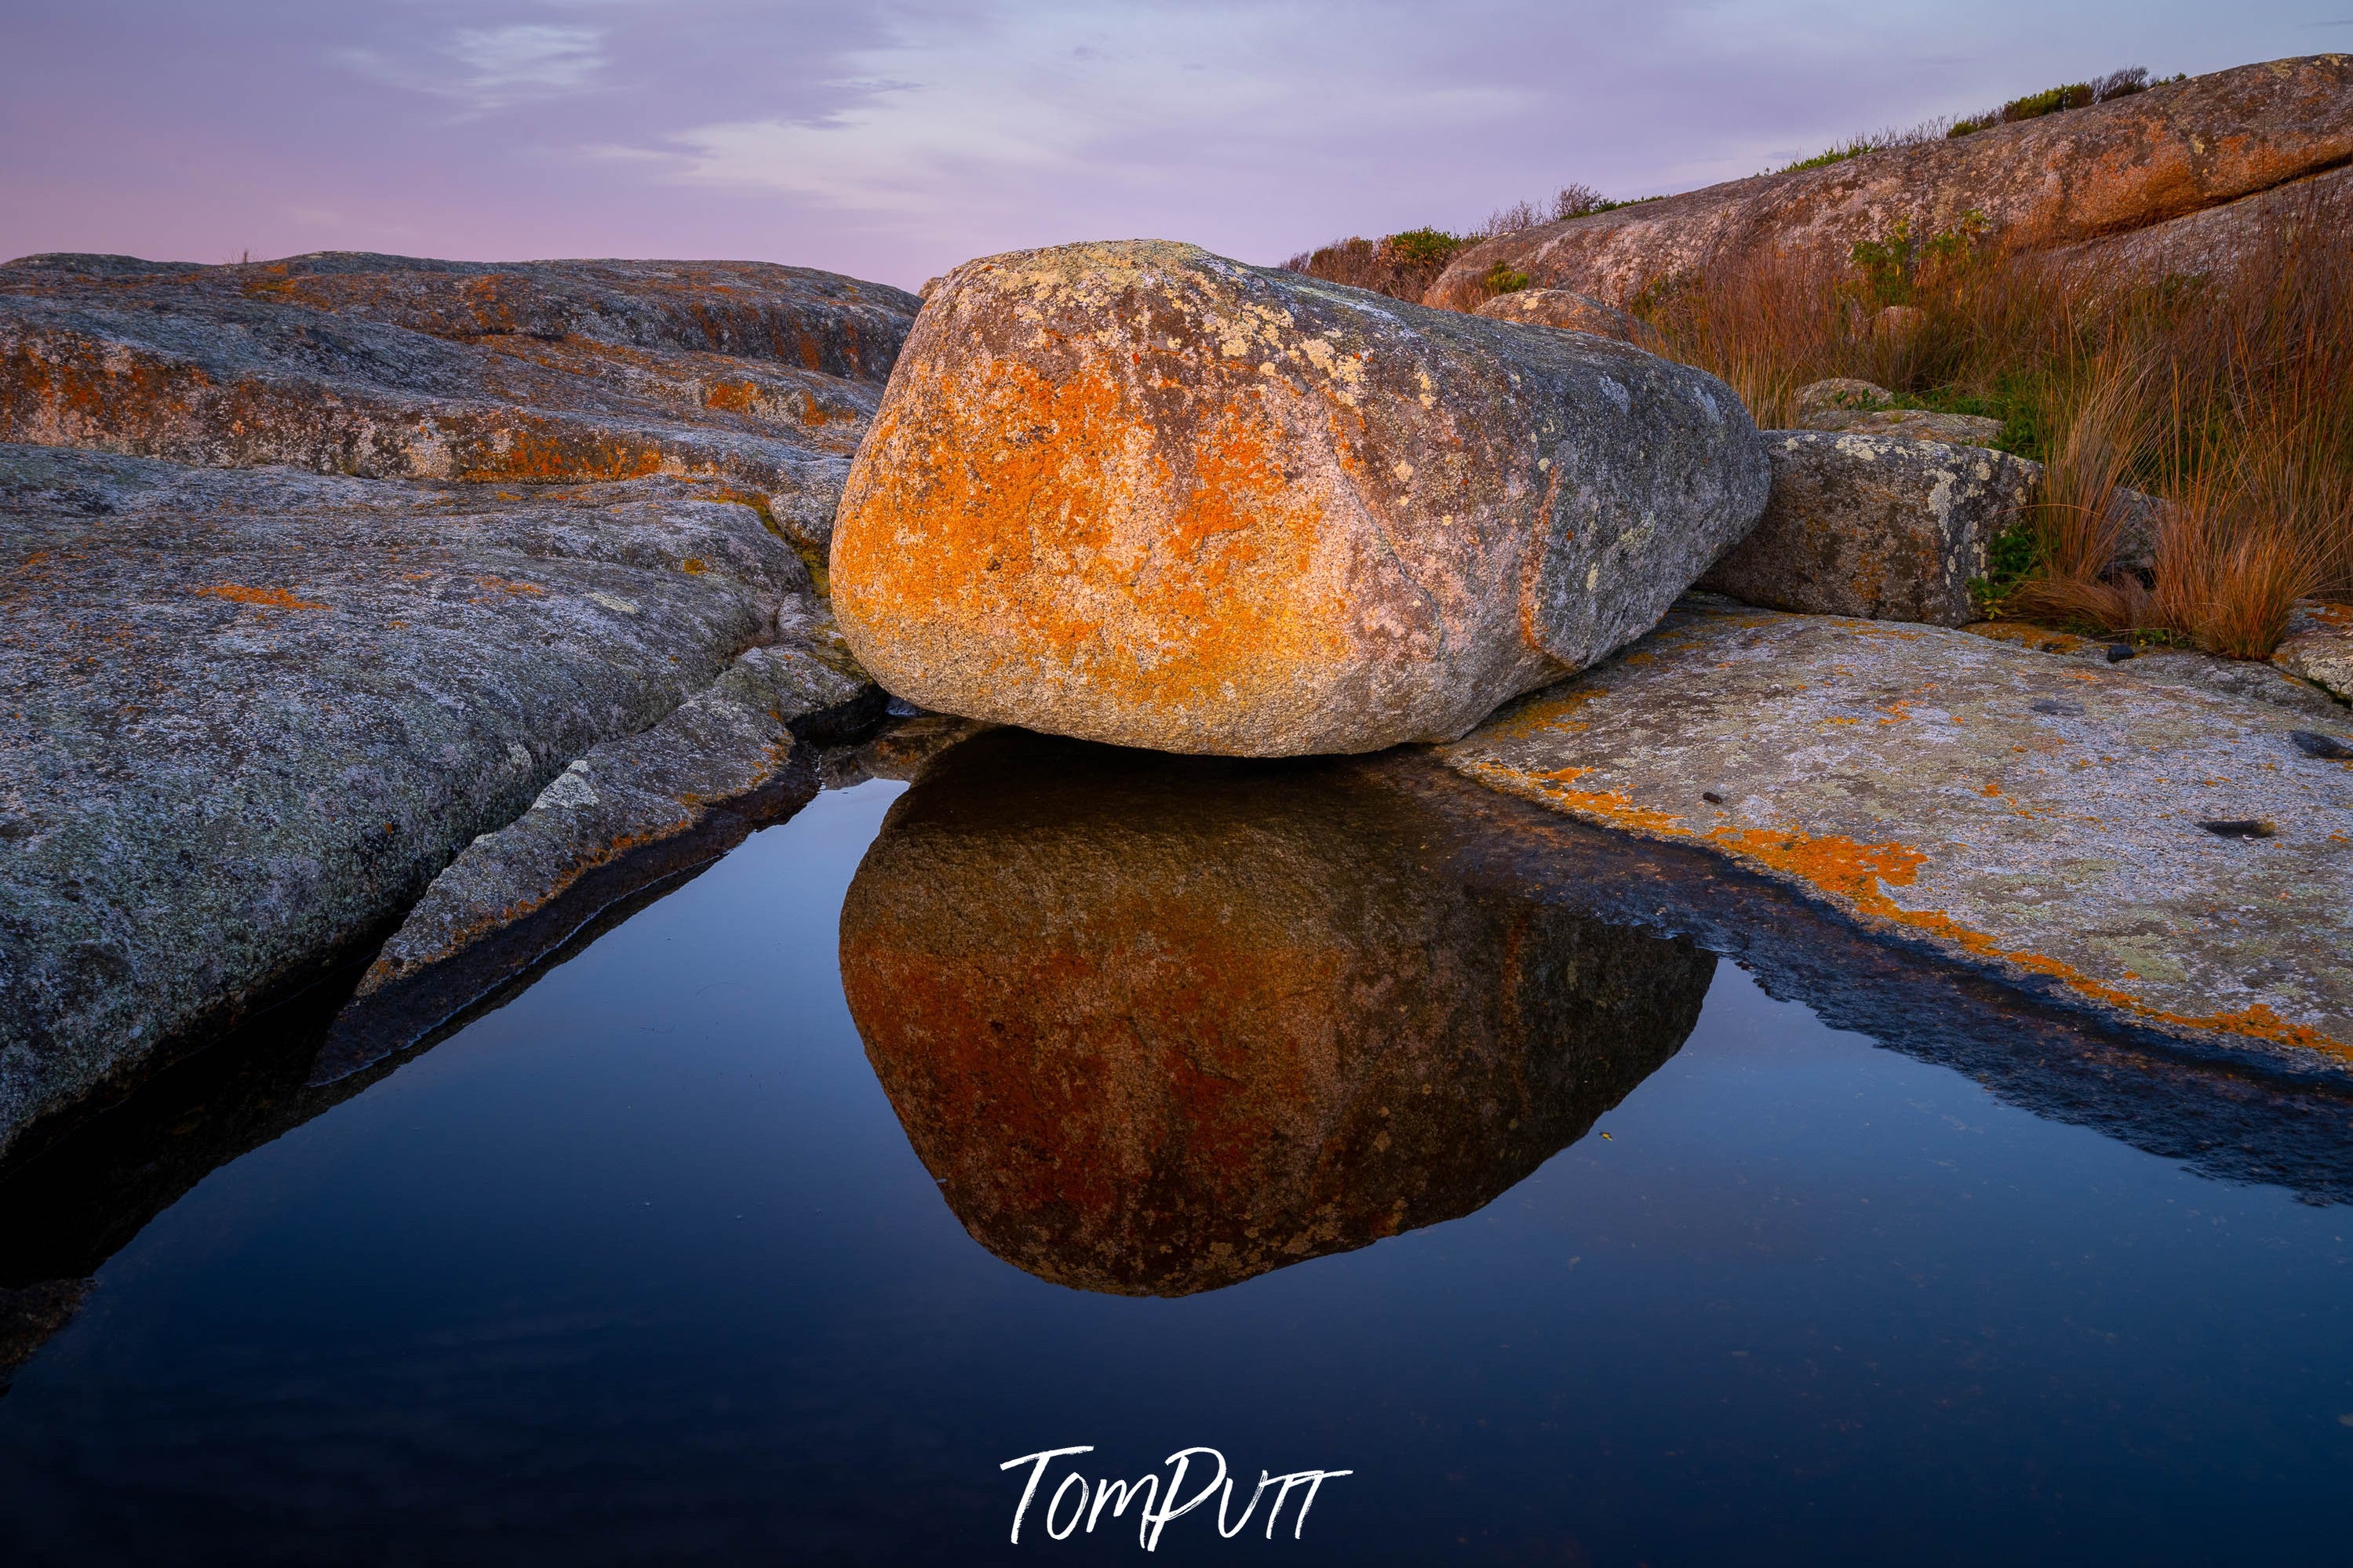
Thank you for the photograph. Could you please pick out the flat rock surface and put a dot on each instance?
(2037, 818)
(2075, 178)
(246, 715)
(2250, 679)
(392, 367)
(1141, 494)
(1911, 424)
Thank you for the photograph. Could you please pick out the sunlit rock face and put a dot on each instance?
(1140, 494)
(1160, 1025)
(2179, 177)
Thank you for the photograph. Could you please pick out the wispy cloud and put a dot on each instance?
(488, 68)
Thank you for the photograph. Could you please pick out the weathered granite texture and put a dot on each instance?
(2244, 680)
(1222, 1017)
(246, 715)
(724, 742)
(2072, 179)
(1863, 408)
(1883, 527)
(2045, 820)
(2319, 646)
(757, 375)
(1571, 312)
(2216, 239)
(1138, 493)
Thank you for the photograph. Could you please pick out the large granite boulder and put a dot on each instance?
(756, 377)
(1138, 493)
(246, 715)
(2164, 857)
(1158, 1025)
(1883, 527)
(2088, 178)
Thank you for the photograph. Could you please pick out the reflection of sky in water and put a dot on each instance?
(641, 1267)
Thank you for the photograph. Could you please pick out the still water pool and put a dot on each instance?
(768, 1226)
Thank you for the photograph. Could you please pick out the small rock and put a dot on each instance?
(2119, 651)
(2319, 646)
(1897, 322)
(1875, 527)
(1839, 393)
(2314, 744)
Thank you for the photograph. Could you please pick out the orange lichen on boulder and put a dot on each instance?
(1141, 494)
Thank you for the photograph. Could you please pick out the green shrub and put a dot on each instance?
(1501, 280)
(1423, 247)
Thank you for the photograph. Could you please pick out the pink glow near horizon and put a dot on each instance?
(893, 141)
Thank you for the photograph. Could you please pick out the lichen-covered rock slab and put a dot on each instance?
(246, 715)
(1158, 1025)
(1877, 526)
(1141, 494)
(2247, 679)
(2044, 820)
(759, 376)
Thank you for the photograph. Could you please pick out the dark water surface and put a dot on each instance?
(1183, 1118)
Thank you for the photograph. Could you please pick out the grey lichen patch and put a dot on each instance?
(2038, 816)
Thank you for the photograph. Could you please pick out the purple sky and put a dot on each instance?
(889, 141)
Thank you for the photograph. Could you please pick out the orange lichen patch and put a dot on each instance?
(1551, 711)
(269, 598)
(546, 450)
(1841, 720)
(1897, 712)
(1861, 874)
(1168, 561)
(692, 566)
(2024, 636)
(1614, 806)
(2340, 616)
(814, 413)
(732, 397)
(1831, 861)
(505, 585)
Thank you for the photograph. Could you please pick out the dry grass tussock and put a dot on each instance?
(2229, 398)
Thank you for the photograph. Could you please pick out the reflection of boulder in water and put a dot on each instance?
(1160, 1024)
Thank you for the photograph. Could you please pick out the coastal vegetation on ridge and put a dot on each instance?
(2224, 388)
